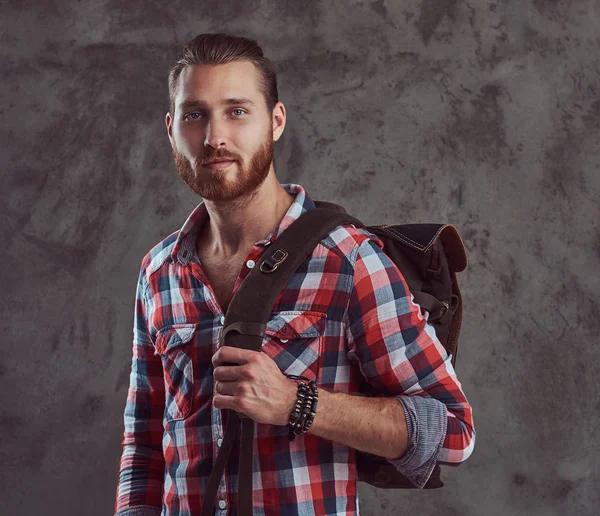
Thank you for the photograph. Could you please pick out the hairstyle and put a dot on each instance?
(215, 49)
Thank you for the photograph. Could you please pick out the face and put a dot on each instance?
(208, 125)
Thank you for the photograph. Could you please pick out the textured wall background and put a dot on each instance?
(483, 114)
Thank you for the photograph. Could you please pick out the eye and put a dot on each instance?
(193, 116)
(238, 109)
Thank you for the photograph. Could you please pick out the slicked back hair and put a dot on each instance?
(215, 49)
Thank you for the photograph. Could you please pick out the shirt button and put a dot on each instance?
(222, 319)
(219, 442)
(222, 504)
(250, 264)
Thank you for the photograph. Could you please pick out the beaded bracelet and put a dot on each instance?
(305, 409)
(303, 414)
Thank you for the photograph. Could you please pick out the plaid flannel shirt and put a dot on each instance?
(345, 314)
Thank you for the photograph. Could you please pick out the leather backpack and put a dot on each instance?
(428, 256)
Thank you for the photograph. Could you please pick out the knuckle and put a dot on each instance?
(249, 372)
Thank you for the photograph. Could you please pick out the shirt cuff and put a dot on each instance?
(140, 510)
(427, 422)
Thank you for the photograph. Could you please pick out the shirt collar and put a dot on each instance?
(185, 244)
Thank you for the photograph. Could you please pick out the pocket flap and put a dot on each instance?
(172, 336)
(293, 341)
(296, 324)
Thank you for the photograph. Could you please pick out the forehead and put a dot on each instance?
(212, 83)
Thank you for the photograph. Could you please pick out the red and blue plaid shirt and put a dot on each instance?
(345, 315)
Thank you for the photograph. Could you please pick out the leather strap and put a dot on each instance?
(231, 433)
(245, 328)
(430, 303)
(245, 471)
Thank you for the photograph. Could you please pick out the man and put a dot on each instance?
(345, 315)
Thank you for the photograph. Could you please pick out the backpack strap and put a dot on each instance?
(244, 327)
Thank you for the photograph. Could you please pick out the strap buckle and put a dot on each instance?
(274, 261)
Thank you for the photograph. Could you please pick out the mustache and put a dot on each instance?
(209, 157)
(181, 160)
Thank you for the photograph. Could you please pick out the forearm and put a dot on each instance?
(374, 425)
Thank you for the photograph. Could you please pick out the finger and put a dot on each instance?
(221, 401)
(227, 388)
(228, 373)
(233, 355)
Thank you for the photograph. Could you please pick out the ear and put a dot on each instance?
(169, 124)
(279, 118)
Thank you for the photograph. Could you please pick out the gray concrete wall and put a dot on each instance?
(482, 114)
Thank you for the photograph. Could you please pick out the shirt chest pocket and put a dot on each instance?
(175, 346)
(293, 340)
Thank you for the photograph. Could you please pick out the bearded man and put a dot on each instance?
(345, 315)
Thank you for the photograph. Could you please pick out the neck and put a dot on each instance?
(235, 226)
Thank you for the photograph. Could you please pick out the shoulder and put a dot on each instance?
(347, 240)
(155, 258)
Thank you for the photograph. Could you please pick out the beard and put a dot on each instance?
(214, 185)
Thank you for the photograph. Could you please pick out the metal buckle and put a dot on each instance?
(274, 261)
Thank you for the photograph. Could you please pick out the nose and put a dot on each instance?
(215, 134)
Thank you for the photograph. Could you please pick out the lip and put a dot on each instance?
(218, 165)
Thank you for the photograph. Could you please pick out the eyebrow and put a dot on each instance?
(201, 104)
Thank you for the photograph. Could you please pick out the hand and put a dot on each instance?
(255, 386)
